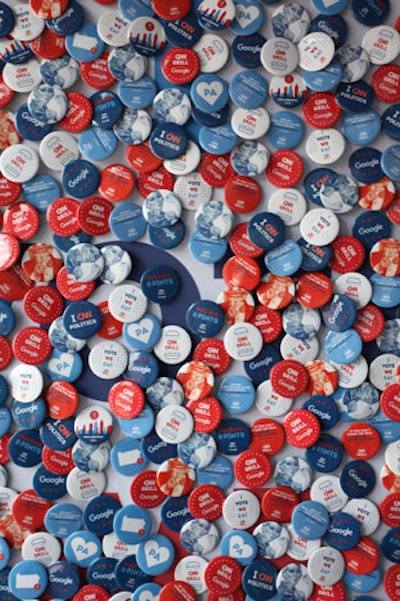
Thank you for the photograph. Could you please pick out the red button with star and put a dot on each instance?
(285, 168)
(302, 428)
(289, 378)
(32, 345)
(223, 575)
(61, 216)
(321, 110)
(205, 502)
(252, 468)
(241, 244)
(126, 399)
(79, 114)
(180, 65)
(348, 254)
(207, 414)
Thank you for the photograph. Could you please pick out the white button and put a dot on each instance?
(356, 286)
(241, 509)
(302, 351)
(26, 383)
(279, 56)
(127, 303)
(319, 226)
(191, 569)
(115, 548)
(351, 374)
(243, 341)
(300, 548)
(22, 78)
(366, 514)
(326, 566)
(84, 486)
(250, 124)
(27, 25)
(327, 491)
(382, 44)
(289, 204)
(316, 51)
(174, 424)
(192, 190)
(57, 149)
(213, 52)
(42, 547)
(108, 360)
(269, 402)
(325, 146)
(392, 457)
(174, 345)
(384, 370)
(112, 27)
(186, 163)
(19, 163)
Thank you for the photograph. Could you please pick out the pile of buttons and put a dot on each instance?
(142, 140)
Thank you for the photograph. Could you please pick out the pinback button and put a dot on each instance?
(173, 346)
(127, 458)
(143, 335)
(357, 479)
(205, 318)
(183, 31)
(31, 345)
(288, 91)
(248, 90)
(21, 577)
(23, 169)
(174, 424)
(236, 394)
(139, 94)
(355, 97)
(289, 379)
(321, 110)
(365, 165)
(142, 369)
(108, 360)
(252, 468)
(382, 44)
(361, 129)
(127, 222)
(284, 169)
(325, 146)
(268, 321)
(340, 314)
(327, 490)
(385, 258)
(126, 64)
(206, 250)
(279, 56)
(99, 514)
(61, 216)
(286, 130)
(180, 65)
(207, 414)
(301, 322)
(67, 150)
(28, 126)
(41, 191)
(146, 35)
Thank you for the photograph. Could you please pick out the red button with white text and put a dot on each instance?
(207, 414)
(223, 575)
(241, 272)
(97, 74)
(171, 10)
(9, 191)
(289, 378)
(177, 590)
(22, 220)
(348, 254)
(141, 158)
(71, 289)
(180, 65)
(216, 170)
(302, 428)
(58, 462)
(370, 323)
(268, 321)
(43, 304)
(242, 194)
(267, 436)
(241, 244)
(390, 510)
(212, 352)
(91, 591)
(361, 441)
(391, 582)
(110, 327)
(145, 491)
(285, 168)
(62, 399)
(79, 114)
(61, 216)
(28, 510)
(49, 45)
(321, 110)
(363, 558)
(155, 180)
(32, 345)
(126, 399)
(390, 402)
(278, 503)
(205, 502)
(252, 468)
(385, 83)
(313, 290)
(6, 353)
(116, 182)
(94, 214)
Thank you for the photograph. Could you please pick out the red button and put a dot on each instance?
(180, 65)
(41, 262)
(212, 352)
(252, 468)
(196, 379)
(91, 591)
(155, 180)
(71, 289)
(324, 593)
(390, 510)
(323, 378)
(9, 250)
(223, 575)
(386, 83)
(370, 323)
(58, 462)
(237, 595)
(285, 168)
(43, 304)
(384, 257)
(361, 441)
(6, 354)
(61, 216)
(377, 195)
(205, 502)
(145, 491)
(390, 402)
(216, 170)
(116, 182)
(392, 211)
(32, 345)
(171, 10)
(268, 321)
(9, 191)
(14, 283)
(6, 95)
(275, 291)
(207, 414)
(267, 436)
(22, 220)
(242, 194)
(321, 110)
(177, 590)
(241, 272)
(46, 10)
(302, 428)
(126, 399)
(94, 214)
(363, 558)
(278, 503)
(49, 45)
(289, 378)
(97, 74)
(28, 510)
(391, 582)
(79, 114)
(110, 327)
(4, 440)
(62, 399)
(8, 132)
(313, 290)
(348, 254)
(142, 159)
(241, 244)
(175, 478)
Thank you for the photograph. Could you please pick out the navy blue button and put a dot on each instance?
(259, 580)
(266, 230)
(315, 258)
(212, 118)
(127, 222)
(361, 129)
(370, 227)
(107, 108)
(246, 50)
(390, 162)
(82, 319)
(388, 429)
(333, 25)
(80, 178)
(97, 144)
(4, 390)
(209, 92)
(205, 318)
(313, 183)
(102, 572)
(64, 581)
(175, 513)
(217, 140)
(7, 318)
(357, 479)
(343, 532)
(248, 89)
(206, 250)
(232, 436)
(5, 420)
(28, 126)
(99, 514)
(16, 52)
(355, 97)
(40, 191)
(64, 243)
(48, 485)
(157, 450)
(391, 122)
(185, 32)
(286, 130)
(258, 369)
(370, 13)
(142, 368)
(325, 455)
(138, 95)
(69, 21)
(325, 409)
(128, 574)
(168, 140)
(390, 545)
(25, 448)
(167, 237)
(340, 313)
(310, 520)
(365, 165)
(7, 19)
(5, 591)
(324, 80)
(58, 434)
(160, 284)
(63, 519)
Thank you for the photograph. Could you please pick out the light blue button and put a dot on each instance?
(82, 547)
(85, 45)
(240, 545)
(249, 18)
(209, 92)
(390, 162)
(284, 260)
(343, 347)
(206, 250)
(138, 95)
(127, 222)
(40, 191)
(324, 80)
(144, 334)
(286, 130)
(156, 555)
(132, 524)
(361, 128)
(248, 89)
(139, 426)
(217, 140)
(97, 144)
(236, 394)
(28, 579)
(127, 457)
(64, 366)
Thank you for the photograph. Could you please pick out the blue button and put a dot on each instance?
(249, 18)
(236, 394)
(5, 420)
(102, 572)
(184, 32)
(139, 426)
(4, 390)
(301, 322)
(126, 64)
(241, 545)
(324, 80)
(87, 456)
(259, 580)
(5, 592)
(361, 129)
(23, 575)
(165, 391)
(330, 8)
(175, 513)
(82, 547)
(168, 140)
(80, 178)
(160, 284)
(340, 313)
(132, 524)
(128, 574)
(357, 479)
(82, 319)
(219, 472)
(248, 89)
(25, 448)
(325, 455)
(233, 436)
(40, 191)
(93, 45)
(389, 430)
(151, 590)
(16, 53)
(390, 545)
(313, 183)
(48, 485)
(355, 97)
(167, 237)
(362, 583)
(4, 548)
(370, 13)
(286, 130)
(266, 230)
(258, 369)
(7, 19)
(209, 92)
(62, 72)
(58, 434)
(97, 144)
(205, 249)
(325, 409)
(64, 243)
(333, 25)
(343, 347)
(365, 165)
(361, 402)
(390, 162)
(127, 222)
(315, 258)
(107, 108)
(205, 318)
(63, 519)
(64, 581)
(156, 450)
(138, 95)
(385, 291)
(99, 514)
(7, 318)
(217, 140)
(343, 532)
(310, 520)
(370, 227)
(69, 21)
(285, 259)
(28, 126)
(391, 122)
(142, 335)
(142, 368)
(127, 457)
(133, 9)
(210, 118)
(198, 450)
(156, 555)
(246, 50)
(134, 127)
